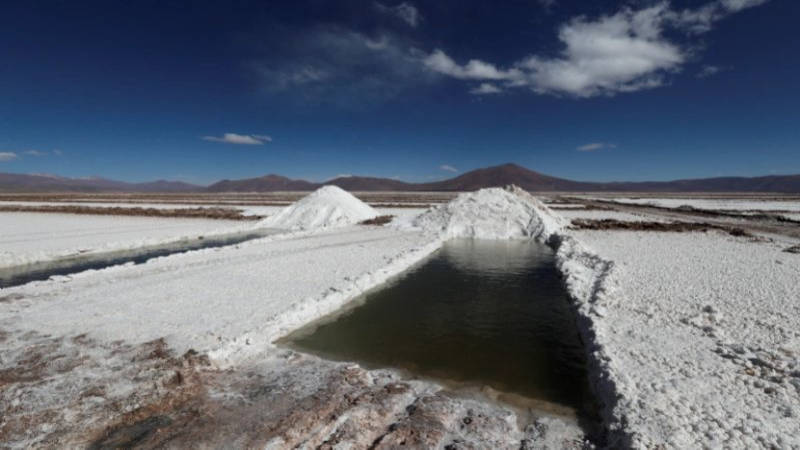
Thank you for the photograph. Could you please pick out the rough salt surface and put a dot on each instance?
(492, 213)
(692, 337)
(232, 302)
(219, 299)
(327, 207)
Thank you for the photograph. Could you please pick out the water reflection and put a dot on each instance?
(480, 314)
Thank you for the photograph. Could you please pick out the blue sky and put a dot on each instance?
(418, 90)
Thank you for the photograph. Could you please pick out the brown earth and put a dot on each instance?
(193, 213)
(60, 392)
(377, 221)
(675, 227)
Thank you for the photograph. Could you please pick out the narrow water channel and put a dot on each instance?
(477, 315)
(19, 275)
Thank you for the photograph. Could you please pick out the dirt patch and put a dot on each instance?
(377, 221)
(673, 227)
(193, 213)
(795, 249)
(68, 392)
(10, 298)
(749, 215)
(581, 208)
(75, 392)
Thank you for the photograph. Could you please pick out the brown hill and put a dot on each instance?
(13, 182)
(476, 179)
(501, 176)
(370, 184)
(269, 183)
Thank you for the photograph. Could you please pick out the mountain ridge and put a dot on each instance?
(494, 176)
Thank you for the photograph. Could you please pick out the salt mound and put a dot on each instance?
(327, 207)
(492, 213)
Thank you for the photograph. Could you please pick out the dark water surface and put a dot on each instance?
(485, 313)
(19, 275)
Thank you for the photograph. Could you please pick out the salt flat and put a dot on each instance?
(692, 338)
(715, 204)
(210, 298)
(700, 334)
(30, 237)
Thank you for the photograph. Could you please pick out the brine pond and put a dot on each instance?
(478, 316)
(20, 275)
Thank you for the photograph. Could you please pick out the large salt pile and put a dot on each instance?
(492, 213)
(327, 207)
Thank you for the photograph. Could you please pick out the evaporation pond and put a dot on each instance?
(477, 314)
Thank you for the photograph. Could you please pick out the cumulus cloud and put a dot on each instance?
(406, 12)
(241, 139)
(35, 153)
(8, 156)
(595, 146)
(623, 52)
(438, 61)
(448, 168)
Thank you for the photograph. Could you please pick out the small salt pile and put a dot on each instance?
(327, 207)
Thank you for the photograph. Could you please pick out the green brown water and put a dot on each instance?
(477, 313)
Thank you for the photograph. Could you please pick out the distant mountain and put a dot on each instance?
(167, 186)
(772, 183)
(476, 179)
(11, 182)
(502, 176)
(269, 183)
(371, 184)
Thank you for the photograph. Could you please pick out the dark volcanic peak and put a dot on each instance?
(501, 176)
(370, 184)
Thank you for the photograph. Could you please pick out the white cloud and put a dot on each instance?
(485, 88)
(595, 146)
(700, 20)
(438, 61)
(448, 168)
(738, 5)
(707, 71)
(336, 66)
(58, 152)
(35, 153)
(241, 139)
(624, 52)
(406, 12)
(8, 156)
